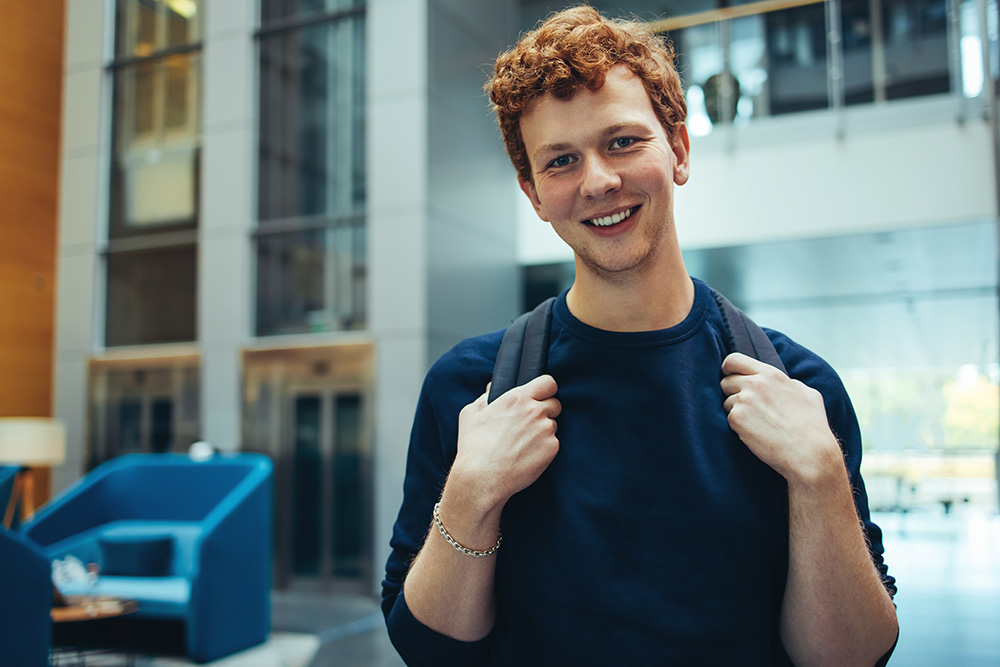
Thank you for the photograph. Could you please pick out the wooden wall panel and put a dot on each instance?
(31, 81)
(31, 69)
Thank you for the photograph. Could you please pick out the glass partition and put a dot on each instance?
(754, 59)
(310, 241)
(142, 406)
(311, 280)
(150, 256)
(310, 410)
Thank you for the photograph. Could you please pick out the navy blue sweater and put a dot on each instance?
(654, 537)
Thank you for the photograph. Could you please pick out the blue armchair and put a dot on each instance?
(188, 540)
(26, 582)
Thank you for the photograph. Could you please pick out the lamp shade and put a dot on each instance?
(32, 441)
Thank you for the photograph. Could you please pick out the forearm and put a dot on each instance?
(448, 591)
(502, 448)
(836, 610)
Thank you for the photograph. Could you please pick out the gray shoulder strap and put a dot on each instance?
(524, 350)
(744, 336)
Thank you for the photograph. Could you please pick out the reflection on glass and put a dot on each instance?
(147, 26)
(179, 93)
(129, 426)
(857, 30)
(155, 171)
(142, 406)
(748, 64)
(916, 47)
(304, 407)
(161, 436)
(311, 280)
(699, 57)
(151, 296)
(273, 10)
(311, 153)
(308, 487)
(973, 68)
(796, 46)
(348, 487)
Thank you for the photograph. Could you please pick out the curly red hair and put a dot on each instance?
(575, 48)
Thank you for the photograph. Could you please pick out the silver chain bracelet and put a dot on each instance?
(465, 550)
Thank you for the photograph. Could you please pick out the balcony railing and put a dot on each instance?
(778, 57)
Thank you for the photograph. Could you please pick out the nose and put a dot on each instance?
(599, 177)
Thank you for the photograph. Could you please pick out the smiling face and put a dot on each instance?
(603, 171)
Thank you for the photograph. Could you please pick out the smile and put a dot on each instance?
(610, 220)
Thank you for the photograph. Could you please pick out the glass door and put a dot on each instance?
(328, 515)
(309, 409)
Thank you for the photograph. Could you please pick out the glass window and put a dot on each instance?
(796, 46)
(151, 296)
(701, 64)
(311, 281)
(312, 122)
(857, 28)
(144, 27)
(156, 139)
(275, 10)
(156, 145)
(973, 34)
(916, 47)
(311, 172)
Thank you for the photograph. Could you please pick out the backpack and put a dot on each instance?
(524, 349)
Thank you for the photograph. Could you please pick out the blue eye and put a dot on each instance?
(561, 161)
(623, 142)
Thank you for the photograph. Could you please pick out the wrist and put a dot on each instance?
(471, 520)
(824, 471)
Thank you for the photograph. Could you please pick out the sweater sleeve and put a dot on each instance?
(453, 382)
(813, 371)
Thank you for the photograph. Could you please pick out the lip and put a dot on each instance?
(618, 228)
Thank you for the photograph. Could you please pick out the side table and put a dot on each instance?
(83, 612)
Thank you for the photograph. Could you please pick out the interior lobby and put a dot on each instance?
(255, 224)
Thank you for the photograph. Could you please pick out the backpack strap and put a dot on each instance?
(744, 336)
(524, 350)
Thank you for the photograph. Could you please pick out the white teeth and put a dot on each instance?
(609, 220)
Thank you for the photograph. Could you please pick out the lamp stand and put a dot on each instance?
(21, 494)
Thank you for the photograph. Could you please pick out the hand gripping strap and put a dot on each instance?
(744, 336)
(524, 350)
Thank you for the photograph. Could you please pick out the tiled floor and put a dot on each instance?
(947, 566)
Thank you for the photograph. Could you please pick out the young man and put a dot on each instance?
(694, 507)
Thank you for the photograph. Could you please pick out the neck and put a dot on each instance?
(655, 300)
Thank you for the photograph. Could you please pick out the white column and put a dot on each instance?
(225, 286)
(396, 34)
(82, 211)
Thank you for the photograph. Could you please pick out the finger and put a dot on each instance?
(542, 387)
(731, 384)
(553, 408)
(740, 364)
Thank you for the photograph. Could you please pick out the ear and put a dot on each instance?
(680, 142)
(528, 188)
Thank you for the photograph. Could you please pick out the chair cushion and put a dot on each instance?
(136, 555)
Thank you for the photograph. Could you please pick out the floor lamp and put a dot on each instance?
(28, 442)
